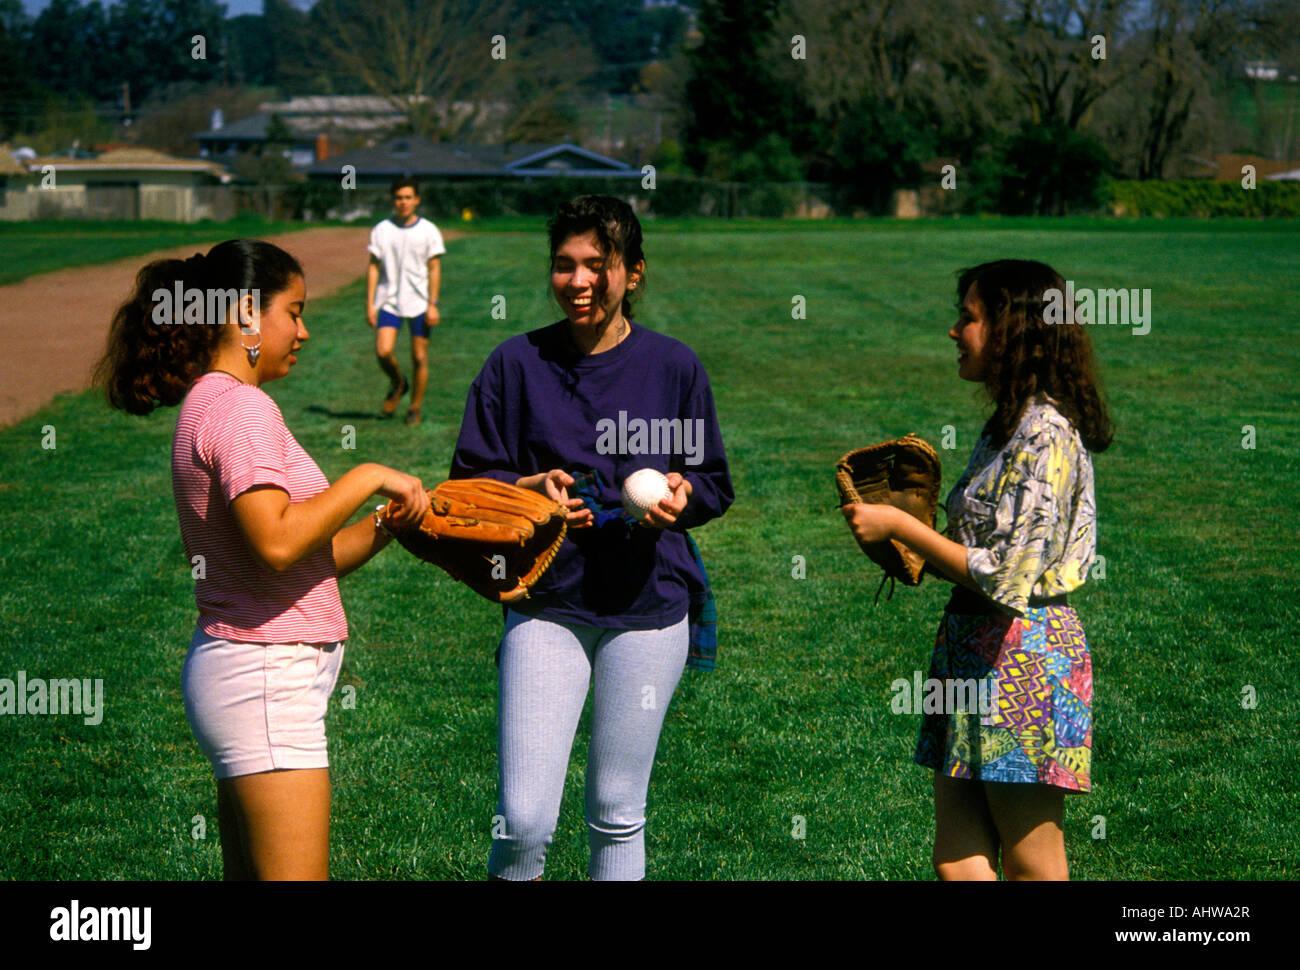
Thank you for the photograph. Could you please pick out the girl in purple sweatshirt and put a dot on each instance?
(576, 407)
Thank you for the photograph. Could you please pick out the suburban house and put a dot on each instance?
(125, 183)
(1228, 167)
(427, 160)
(313, 124)
(14, 178)
(318, 126)
(223, 142)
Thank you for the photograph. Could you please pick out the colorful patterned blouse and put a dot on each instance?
(1026, 512)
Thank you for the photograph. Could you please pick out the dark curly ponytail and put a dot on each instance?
(154, 353)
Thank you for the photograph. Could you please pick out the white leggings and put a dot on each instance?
(545, 671)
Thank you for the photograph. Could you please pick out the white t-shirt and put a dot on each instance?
(404, 253)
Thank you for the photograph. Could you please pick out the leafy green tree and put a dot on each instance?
(271, 49)
(878, 148)
(887, 85)
(268, 164)
(20, 93)
(150, 43)
(72, 40)
(733, 98)
(1051, 170)
(624, 35)
(250, 50)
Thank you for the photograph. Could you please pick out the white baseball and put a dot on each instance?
(643, 489)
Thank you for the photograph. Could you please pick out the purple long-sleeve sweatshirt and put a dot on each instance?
(645, 403)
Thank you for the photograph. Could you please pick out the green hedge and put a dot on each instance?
(1202, 198)
(446, 200)
(683, 197)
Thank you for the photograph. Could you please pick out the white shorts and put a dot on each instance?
(259, 706)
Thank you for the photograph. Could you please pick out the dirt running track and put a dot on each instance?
(53, 326)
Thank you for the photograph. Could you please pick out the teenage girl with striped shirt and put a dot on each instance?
(270, 533)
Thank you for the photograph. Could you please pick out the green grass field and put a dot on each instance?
(44, 246)
(1198, 602)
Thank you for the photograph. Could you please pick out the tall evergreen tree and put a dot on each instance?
(734, 102)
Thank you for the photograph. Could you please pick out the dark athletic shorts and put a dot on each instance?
(419, 324)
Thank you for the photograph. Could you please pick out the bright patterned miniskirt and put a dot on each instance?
(1025, 710)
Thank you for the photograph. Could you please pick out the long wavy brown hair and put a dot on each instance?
(1025, 355)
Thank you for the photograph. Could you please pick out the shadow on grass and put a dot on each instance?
(351, 415)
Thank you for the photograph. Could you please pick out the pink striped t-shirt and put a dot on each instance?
(230, 437)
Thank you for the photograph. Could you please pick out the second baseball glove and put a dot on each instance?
(904, 473)
(497, 539)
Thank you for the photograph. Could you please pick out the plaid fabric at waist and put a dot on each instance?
(967, 602)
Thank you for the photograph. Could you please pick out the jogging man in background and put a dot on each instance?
(402, 283)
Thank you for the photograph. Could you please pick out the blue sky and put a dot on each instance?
(233, 7)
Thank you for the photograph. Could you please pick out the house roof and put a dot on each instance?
(254, 127)
(10, 165)
(1228, 167)
(130, 159)
(366, 114)
(414, 156)
(366, 104)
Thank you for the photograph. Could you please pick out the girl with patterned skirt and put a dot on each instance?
(1020, 537)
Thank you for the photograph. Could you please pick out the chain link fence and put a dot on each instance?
(447, 200)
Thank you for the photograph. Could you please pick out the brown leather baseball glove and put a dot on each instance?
(497, 539)
(904, 473)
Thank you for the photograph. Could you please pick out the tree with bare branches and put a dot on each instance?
(432, 59)
(1060, 54)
